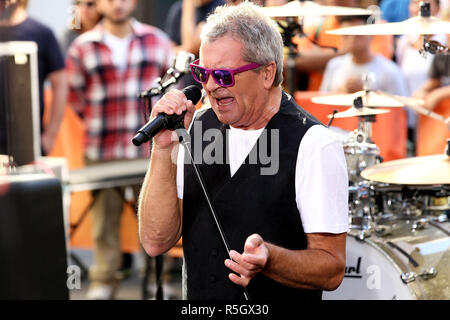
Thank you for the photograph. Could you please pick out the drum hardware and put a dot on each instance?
(406, 254)
(170, 78)
(385, 272)
(438, 223)
(408, 277)
(419, 224)
(360, 150)
(432, 46)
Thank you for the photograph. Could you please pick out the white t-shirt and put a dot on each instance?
(321, 180)
(387, 74)
(119, 49)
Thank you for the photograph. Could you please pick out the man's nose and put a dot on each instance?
(211, 84)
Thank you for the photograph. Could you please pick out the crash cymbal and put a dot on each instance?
(414, 25)
(308, 8)
(358, 112)
(427, 170)
(369, 99)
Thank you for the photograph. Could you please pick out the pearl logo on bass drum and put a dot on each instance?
(353, 271)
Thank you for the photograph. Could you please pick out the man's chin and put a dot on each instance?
(119, 21)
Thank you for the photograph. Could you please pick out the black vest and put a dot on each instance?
(247, 203)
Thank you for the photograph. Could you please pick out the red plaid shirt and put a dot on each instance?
(106, 97)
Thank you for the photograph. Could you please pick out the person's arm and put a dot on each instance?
(160, 210)
(58, 82)
(430, 85)
(315, 59)
(321, 170)
(76, 78)
(190, 32)
(434, 97)
(320, 266)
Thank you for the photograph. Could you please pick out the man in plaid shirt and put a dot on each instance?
(107, 67)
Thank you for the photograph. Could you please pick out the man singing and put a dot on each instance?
(287, 227)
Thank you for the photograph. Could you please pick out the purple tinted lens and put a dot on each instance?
(223, 77)
(200, 74)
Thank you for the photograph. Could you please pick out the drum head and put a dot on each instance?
(374, 266)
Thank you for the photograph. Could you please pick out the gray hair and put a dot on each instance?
(259, 34)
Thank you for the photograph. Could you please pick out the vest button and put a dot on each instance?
(214, 252)
(212, 278)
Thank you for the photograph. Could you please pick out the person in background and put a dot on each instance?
(15, 25)
(312, 59)
(345, 73)
(413, 65)
(437, 86)
(183, 25)
(107, 67)
(85, 18)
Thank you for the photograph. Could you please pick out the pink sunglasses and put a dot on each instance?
(223, 77)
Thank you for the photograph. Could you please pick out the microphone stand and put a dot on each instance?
(173, 74)
(184, 139)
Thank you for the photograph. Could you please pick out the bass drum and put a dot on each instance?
(416, 250)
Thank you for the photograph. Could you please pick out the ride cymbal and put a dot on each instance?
(426, 170)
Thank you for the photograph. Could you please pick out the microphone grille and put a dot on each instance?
(193, 93)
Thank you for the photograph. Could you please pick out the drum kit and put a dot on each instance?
(398, 244)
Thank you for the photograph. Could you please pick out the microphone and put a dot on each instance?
(165, 121)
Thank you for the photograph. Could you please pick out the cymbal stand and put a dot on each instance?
(433, 47)
(430, 46)
(289, 31)
(171, 77)
(363, 203)
(364, 131)
(294, 27)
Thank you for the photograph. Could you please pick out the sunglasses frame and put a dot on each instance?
(247, 67)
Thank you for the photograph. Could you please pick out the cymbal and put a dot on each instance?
(308, 8)
(370, 99)
(358, 112)
(414, 25)
(426, 170)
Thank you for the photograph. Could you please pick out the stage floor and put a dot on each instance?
(130, 288)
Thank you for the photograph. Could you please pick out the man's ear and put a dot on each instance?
(269, 73)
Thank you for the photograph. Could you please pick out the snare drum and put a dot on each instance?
(402, 261)
(360, 156)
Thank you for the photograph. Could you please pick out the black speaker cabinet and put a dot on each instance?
(33, 259)
(19, 102)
